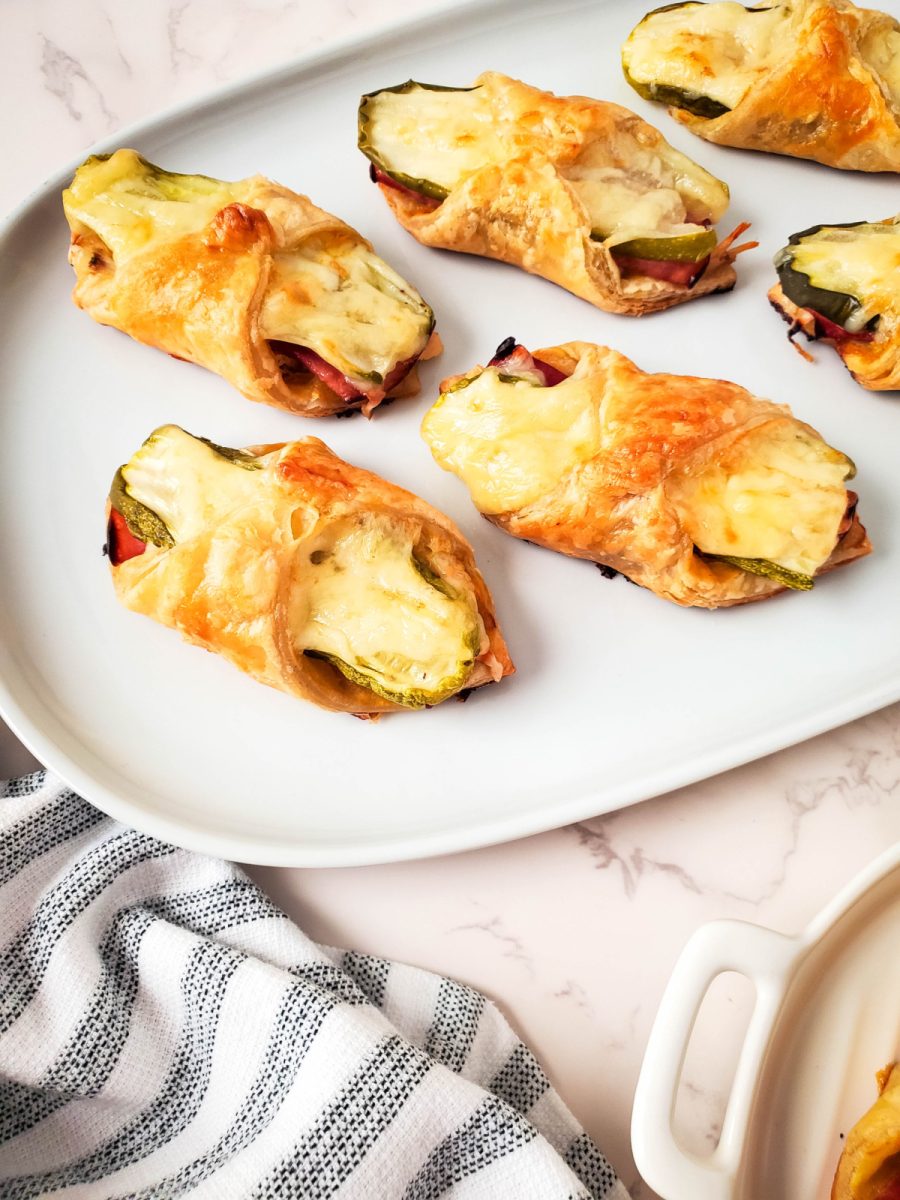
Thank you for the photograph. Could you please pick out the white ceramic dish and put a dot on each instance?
(825, 1019)
(619, 696)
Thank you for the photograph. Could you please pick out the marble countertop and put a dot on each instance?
(573, 932)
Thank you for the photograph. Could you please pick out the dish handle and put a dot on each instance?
(766, 958)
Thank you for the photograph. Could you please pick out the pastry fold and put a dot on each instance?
(311, 575)
(521, 206)
(825, 88)
(693, 488)
(192, 274)
(869, 1167)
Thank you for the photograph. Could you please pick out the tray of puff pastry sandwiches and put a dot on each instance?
(609, 300)
(814, 1108)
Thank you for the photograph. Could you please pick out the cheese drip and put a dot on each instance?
(716, 51)
(775, 494)
(364, 601)
(511, 441)
(332, 294)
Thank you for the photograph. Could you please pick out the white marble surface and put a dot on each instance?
(574, 932)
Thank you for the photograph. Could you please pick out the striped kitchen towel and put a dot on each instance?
(165, 1029)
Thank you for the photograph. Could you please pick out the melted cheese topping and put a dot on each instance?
(438, 136)
(133, 205)
(776, 494)
(880, 49)
(339, 299)
(510, 441)
(712, 50)
(435, 139)
(361, 600)
(630, 190)
(863, 261)
(187, 483)
(331, 295)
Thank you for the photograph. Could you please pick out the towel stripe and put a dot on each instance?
(23, 964)
(456, 1016)
(87, 1061)
(520, 1082)
(492, 1132)
(65, 817)
(208, 973)
(178, 1034)
(328, 1153)
(295, 1028)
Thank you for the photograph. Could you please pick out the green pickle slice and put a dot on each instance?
(686, 247)
(771, 570)
(841, 271)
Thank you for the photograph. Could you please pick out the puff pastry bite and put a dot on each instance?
(692, 488)
(814, 79)
(581, 192)
(248, 279)
(841, 283)
(869, 1167)
(311, 575)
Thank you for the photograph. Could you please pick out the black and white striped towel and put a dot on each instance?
(165, 1029)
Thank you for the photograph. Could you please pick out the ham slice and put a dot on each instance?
(685, 273)
(513, 358)
(121, 544)
(428, 203)
(350, 390)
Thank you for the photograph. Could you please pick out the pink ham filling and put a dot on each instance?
(121, 544)
(686, 273)
(837, 333)
(339, 383)
(517, 360)
(426, 202)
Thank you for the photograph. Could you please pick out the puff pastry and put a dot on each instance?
(581, 192)
(693, 488)
(311, 575)
(840, 283)
(869, 1167)
(248, 279)
(814, 79)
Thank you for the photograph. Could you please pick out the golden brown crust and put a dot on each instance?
(614, 508)
(227, 589)
(525, 212)
(820, 100)
(874, 365)
(869, 1166)
(199, 297)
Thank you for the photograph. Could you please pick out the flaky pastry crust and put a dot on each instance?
(523, 211)
(227, 589)
(820, 99)
(199, 296)
(614, 508)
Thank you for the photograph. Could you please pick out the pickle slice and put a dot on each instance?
(426, 137)
(771, 570)
(846, 273)
(686, 247)
(364, 600)
(701, 58)
(141, 520)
